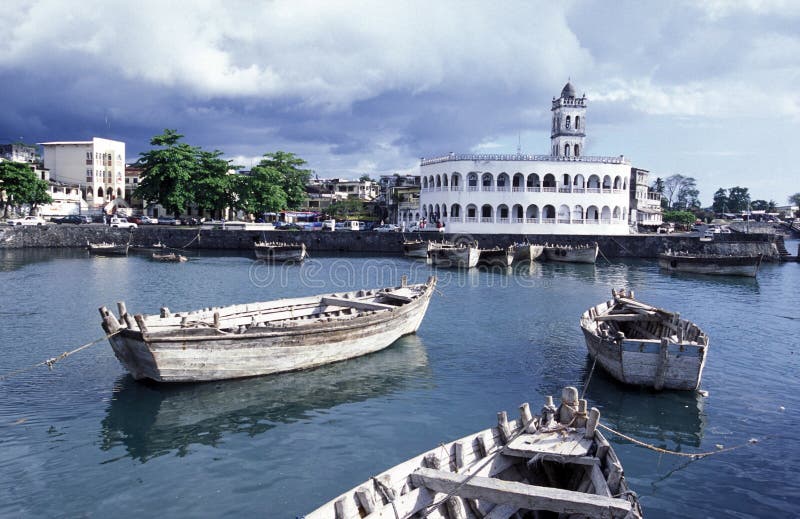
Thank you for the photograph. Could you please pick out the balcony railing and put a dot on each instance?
(520, 157)
(471, 219)
(488, 188)
(502, 220)
(455, 188)
(502, 188)
(532, 189)
(531, 220)
(548, 220)
(487, 219)
(517, 189)
(472, 188)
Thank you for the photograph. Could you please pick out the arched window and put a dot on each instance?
(486, 181)
(119, 192)
(502, 212)
(566, 150)
(472, 180)
(617, 182)
(594, 182)
(577, 213)
(579, 181)
(592, 214)
(486, 211)
(472, 211)
(605, 216)
(518, 180)
(100, 192)
(455, 211)
(616, 213)
(455, 180)
(549, 212)
(563, 214)
(567, 122)
(438, 181)
(532, 213)
(577, 122)
(444, 180)
(577, 151)
(607, 182)
(517, 212)
(533, 181)
(549, 180)
(502, 182)
(424, 182)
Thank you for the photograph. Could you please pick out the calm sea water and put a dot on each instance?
(85, 440)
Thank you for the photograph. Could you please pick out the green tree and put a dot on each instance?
(20, 185)
(658, 187)
(681, 192)
(720, 204)
(759, 205)
(214, 188)
(168, 172)
(293, 179)
(365, 178)
(738, 199)
(681, 217)
(261, 191)
(795, 199)
(345, 209)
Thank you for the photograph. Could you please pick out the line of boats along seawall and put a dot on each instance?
(555, 462)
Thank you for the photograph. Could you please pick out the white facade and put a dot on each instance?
(645, 203)
(97, 166)
(559, 193)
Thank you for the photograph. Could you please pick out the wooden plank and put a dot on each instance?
(599, 482)
(528, 445)
(351, 303)
(501, 512)
(521, 495)
(663, 361)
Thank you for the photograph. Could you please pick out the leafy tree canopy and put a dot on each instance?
(214, 188)
(738, 199)
(293, 179)
(795, 199)
(21, 186)
(681, 217)
(262, 191)
(168, 172)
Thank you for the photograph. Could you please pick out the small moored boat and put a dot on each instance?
(454, 256)
(557, 464)
(497, 256)
(643, 345)
(279, 251)
(527, 251)
(170, 257)
(262, 338)
(716, 264)
(572, 253)
(108, 249)
(415, 248)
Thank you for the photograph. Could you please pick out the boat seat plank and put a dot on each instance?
(626, 317)
(521, 495)
(529, 445)
(352, 303)
(397, 297)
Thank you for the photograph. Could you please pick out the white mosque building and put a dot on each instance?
(565, 192)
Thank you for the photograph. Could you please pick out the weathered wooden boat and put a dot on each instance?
(711, 264)
(557, 464)
(108, 249)
(278, 251)
(262, 338)
(170, 257)
(497, 256)
(643, 345)
(527, 251)
(415, 248)
(454, 256)
(572, 253)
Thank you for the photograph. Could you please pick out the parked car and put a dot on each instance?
(28, 220)
(135, 219)
(329, 225)
(388, 227)
(191, 221)
(122, 223)
(147, 220)
(72, 218)
(168, 220)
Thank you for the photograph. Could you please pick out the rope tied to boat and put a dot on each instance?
(52, 361)
(695, 455)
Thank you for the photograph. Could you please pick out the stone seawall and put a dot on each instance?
(630, 246)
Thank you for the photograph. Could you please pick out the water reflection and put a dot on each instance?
(14, 259)
(150, 420)
(670, 419)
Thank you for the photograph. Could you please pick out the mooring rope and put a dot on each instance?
(696, 455)
(51, 361)
(589, 378)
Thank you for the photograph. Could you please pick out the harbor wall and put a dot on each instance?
(631, 246)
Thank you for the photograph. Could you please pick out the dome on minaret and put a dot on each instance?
(568, 90)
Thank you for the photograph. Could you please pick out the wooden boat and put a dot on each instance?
(527, 251)
(497, 257)
(454, 256)
(643, 345)
(170, 257)
(278, 251)
(262, 338)
(556, 463)
(108, 249)
(711, 264)
(572, 253)
(415, 248)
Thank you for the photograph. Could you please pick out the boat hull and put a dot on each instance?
(572, 255)
(119, 250)
(496, 257)
(205, 353)
(455, 257)
(415, 249)
(281, 252)
(527, 252)
(746, 266)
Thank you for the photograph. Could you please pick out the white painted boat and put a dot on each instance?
(454, 256)
(555, 463)
(279, 251)
(711, 264)
(527, 251)
(497, 256)
(572, 253)
(262, 338)
(108, 249)
(643, 345)
(415, 248)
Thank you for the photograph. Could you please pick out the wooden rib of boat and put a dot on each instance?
(527, 251)
(108, 249)
(170, 257)
(711, 264)
(278, 251)
(572, 253)
(643, 345)
(554, 465)
(415, 248)
(455, 256)
(497, 257)
(262, 338)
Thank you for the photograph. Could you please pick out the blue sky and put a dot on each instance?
(704, 88)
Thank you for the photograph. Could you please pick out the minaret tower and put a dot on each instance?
(569, 124)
